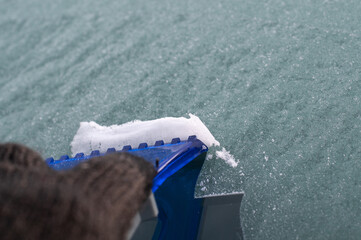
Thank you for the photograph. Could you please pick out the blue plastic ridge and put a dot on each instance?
(64, 157)
(191, 138)
(95, 153)
(143, 145)
(159, 143)
(111, 150)
(127, 148)
(175, 141)
(49, 160)
(79, 155)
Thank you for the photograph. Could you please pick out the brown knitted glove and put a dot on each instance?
(95, 200)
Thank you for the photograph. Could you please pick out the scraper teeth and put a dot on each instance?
(143, 145)
(159, 143)
(111, 150)
(175, 140)
(79, 155)
(127, 148)
(95, 153)
(64, 157)
(193, 137)
(49, 160)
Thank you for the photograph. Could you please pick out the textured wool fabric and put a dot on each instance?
(95, 200)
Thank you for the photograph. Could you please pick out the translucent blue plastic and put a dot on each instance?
(178, 164)
(166, 158)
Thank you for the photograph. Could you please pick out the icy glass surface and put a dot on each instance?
(276, 82)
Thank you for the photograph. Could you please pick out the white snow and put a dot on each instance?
(227, 156)
(92, 136)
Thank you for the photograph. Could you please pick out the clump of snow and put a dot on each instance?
(227, 156)
(92, 136)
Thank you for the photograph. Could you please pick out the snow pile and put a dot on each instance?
(92, 136)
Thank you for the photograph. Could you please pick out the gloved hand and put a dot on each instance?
(95, 200)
